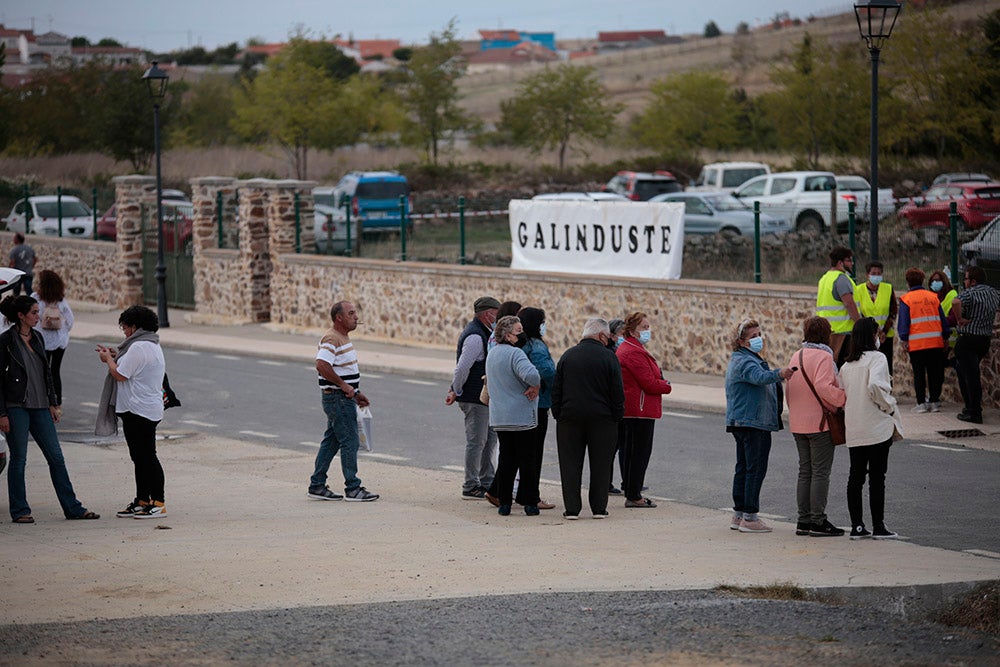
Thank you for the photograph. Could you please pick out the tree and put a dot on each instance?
(325, 56)
(205, 113)
(557, 105)
(402, 54)
(79, 41)
(712, 30)
(688, 111)
(109, 41)
(430, 93)
(125, 130)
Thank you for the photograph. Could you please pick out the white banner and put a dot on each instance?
(607, 238)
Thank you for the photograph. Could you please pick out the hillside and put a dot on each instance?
(628, 75)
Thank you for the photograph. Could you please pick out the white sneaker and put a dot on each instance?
(934, 407)
(155, 510)
(920, 408)
(735, 523)
(757, 526)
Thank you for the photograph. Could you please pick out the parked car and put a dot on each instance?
(580, 196)
(178, 222)
(857, 189)
(330, 229)
(642, 186)
(984, 252)
(77, 218)
(722, 213)
(727, 176)
(977, 204)
(961, 177)
(800, 196)
(373, 195)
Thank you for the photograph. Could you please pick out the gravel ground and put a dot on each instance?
(648, 628)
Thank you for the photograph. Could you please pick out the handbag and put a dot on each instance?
(52, 318)
(484, 393)
(833, 420)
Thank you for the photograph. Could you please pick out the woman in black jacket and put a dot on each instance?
(28, 404)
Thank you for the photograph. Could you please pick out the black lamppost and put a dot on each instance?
(875, 22)
(157, 79)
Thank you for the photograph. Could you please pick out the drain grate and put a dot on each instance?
(962, 433)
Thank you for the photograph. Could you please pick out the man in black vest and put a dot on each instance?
(480, 439)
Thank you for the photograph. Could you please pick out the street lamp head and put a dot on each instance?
(156, 79)
(876, 19)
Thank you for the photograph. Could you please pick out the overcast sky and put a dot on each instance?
(173, 24)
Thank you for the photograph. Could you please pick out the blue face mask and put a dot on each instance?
(756, 344)
(936, 285)
(541, 330)
(621, 339)
(644, 336)
(875, 280)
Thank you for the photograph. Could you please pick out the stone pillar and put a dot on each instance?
(255, 258)
(281, 241)
(131, 193)
(204, 195)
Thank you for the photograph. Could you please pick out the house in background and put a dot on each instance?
(611, 42)
(508, 39)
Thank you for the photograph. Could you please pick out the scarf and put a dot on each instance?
(107, 422)
(817, 346)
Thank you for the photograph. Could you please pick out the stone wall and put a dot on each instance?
(89, 268)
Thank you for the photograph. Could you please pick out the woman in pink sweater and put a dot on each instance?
(812, 435)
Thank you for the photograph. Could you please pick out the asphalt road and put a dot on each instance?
(937, 495)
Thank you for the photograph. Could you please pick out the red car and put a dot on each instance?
(178, 219)
(978, 203)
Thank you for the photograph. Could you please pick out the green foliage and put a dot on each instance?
(688, 111)
(79, 41)
(712, 30)
(125, 129)
(403, 54)
(557, 105)
(204, 117)
(109, 41)
(430, 94)
(322, 55)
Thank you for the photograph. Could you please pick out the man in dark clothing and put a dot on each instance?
(466, 385)
(587, 402)
(976, 310)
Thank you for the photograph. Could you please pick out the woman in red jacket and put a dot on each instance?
(644, 385)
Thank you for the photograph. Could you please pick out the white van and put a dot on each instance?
(727, 176)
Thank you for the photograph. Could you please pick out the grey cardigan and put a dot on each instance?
(508, 374)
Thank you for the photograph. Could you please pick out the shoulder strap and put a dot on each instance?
(805, 376)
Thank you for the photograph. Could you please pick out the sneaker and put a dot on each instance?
(757, 526)
(154, 510)
(361, 495)
(324, 494)
(130, 510)
(883, 533)
(735, 523)
(491, 499)
(504, 510)
(920, 408)
(600, 515)
(570, 517)
(825, 529)
(934, 406)
(614, 490)
(478, 493)
(531, 510)
(801, 528)
(972, 419)
(859, 533)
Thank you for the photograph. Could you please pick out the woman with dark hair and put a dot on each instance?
(808, 392)
(533, 321)
(644, 387)
(506, 308)
(133, 391)
(55, 322)
(873, 424)
(28, 404)
(946, 293)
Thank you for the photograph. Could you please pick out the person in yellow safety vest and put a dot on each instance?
(875, 298)
(924, 328)
(835, 300)
(946, 293)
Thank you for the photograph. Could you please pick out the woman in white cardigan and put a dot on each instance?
(873, 424)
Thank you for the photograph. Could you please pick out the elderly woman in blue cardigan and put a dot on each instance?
(753, 412)
(514, 382)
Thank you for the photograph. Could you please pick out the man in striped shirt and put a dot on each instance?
(975, 310)
(339, 380)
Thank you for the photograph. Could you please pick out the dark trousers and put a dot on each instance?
(928, 369)
(25, 284)
(969, 352)
(55, 358)
(753, 449)
(873, 461)
(538, 451)
(638, 448)
(886, 349)
(140, 435)
(517, 453)
(595, 439)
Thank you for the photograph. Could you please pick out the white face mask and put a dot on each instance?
(878, 343)
(541, 330)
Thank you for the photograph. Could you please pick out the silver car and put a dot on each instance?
(721, 213)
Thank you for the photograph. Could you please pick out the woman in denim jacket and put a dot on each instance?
(753, 411)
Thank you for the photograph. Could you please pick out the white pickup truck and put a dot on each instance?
(804, 197)
(858, 190)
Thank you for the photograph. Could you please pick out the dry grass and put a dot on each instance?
(979, 610)
(777, 591)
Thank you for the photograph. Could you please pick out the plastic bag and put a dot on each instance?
(365, 427)
(3, 452)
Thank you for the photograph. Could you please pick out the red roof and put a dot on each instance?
(371, 47)
(500, 35)
(265, 49)
(631, 35)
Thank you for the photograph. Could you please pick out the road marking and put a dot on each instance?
(258, 434)
(195, 422)
(384, 457)
(309, 444)
(982, 552)
(946, 449)
(548, 481)
(90, 405)
(268, 362)
(423, 382)
(228, 357)
(190, 353)
(682, 415)
(375, 376)
(455, 468)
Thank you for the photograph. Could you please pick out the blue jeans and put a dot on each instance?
(341, 435)
(753, 446)
(37, 421)
(480, 446)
